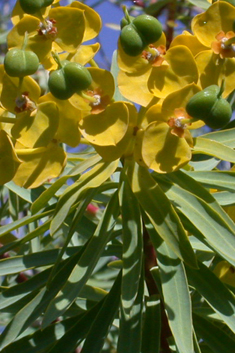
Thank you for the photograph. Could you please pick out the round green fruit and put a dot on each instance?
(77, 76)
(20, 63)
(220, 114)
(131, 42)
(208, 106)
(31, 6)
(148, 27)
(59, 85)
(47, 3)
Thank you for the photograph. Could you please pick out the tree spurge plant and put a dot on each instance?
(117, 230)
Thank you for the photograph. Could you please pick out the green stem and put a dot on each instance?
(229, 41)
(126, 14)
(86, 96)
(57, 59)
(19, 88)
(93, 63)
(25, 42)
(222, 87)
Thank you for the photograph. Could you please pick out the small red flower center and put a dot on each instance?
(224, 45)
(23, 103)
(154, 55)
(177, 122)
(101, 100)
(48, 29)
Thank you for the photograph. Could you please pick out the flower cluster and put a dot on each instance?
(35, 127)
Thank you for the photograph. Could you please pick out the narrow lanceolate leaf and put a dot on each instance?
(215, 179)
(74, 328)
(215, 292)
(20, 321)
(226, 137)
(99, 329)
(132, 245)
(176, 295)
(16, 264)
(23, 221)
(214, 148)
(40, 230)
(213, 336)
(188, 183)
(92, 179)
(115, 70)
(130, 330)
(45, 196)
(83, 269)
(152, 326)
(76, 332)
(211, 221)
(160, 211)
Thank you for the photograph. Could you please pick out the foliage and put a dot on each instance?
(117, 205)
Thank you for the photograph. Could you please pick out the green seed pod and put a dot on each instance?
(31, 6)
(148, 27)
(47, 3)
(124, 22)
(59, 86)
(77, 76)
(20, 63)
(131, 42)
(209, 106)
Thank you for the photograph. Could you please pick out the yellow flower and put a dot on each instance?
(164, 143)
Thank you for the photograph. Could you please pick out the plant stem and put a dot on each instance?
(151, 261)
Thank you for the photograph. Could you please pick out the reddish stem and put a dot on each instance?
(150, 261)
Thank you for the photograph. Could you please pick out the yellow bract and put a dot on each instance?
(218, 17)
(106, 128)
(181, 71)
(39, 166)
(38, 129)
(67, 119)
(9, 162)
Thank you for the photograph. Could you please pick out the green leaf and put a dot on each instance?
(224, 198)
(16, 264)
(211, 221)
(160, 212)
(41, 341)
(114, 71)
(152, 325)
(222, 180)
(215, 292)
(31, 235)
(86, 263)
(176, 295)
(15, 293)
(207, 164)
(45, 196)
(203, 4)
(22, 222)
(226, 137)
(102, 322)
(130, 330)
(91, 179)
(21, 320)
(132, 245)
(216, 339)
(28, 195)
(214, 148)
